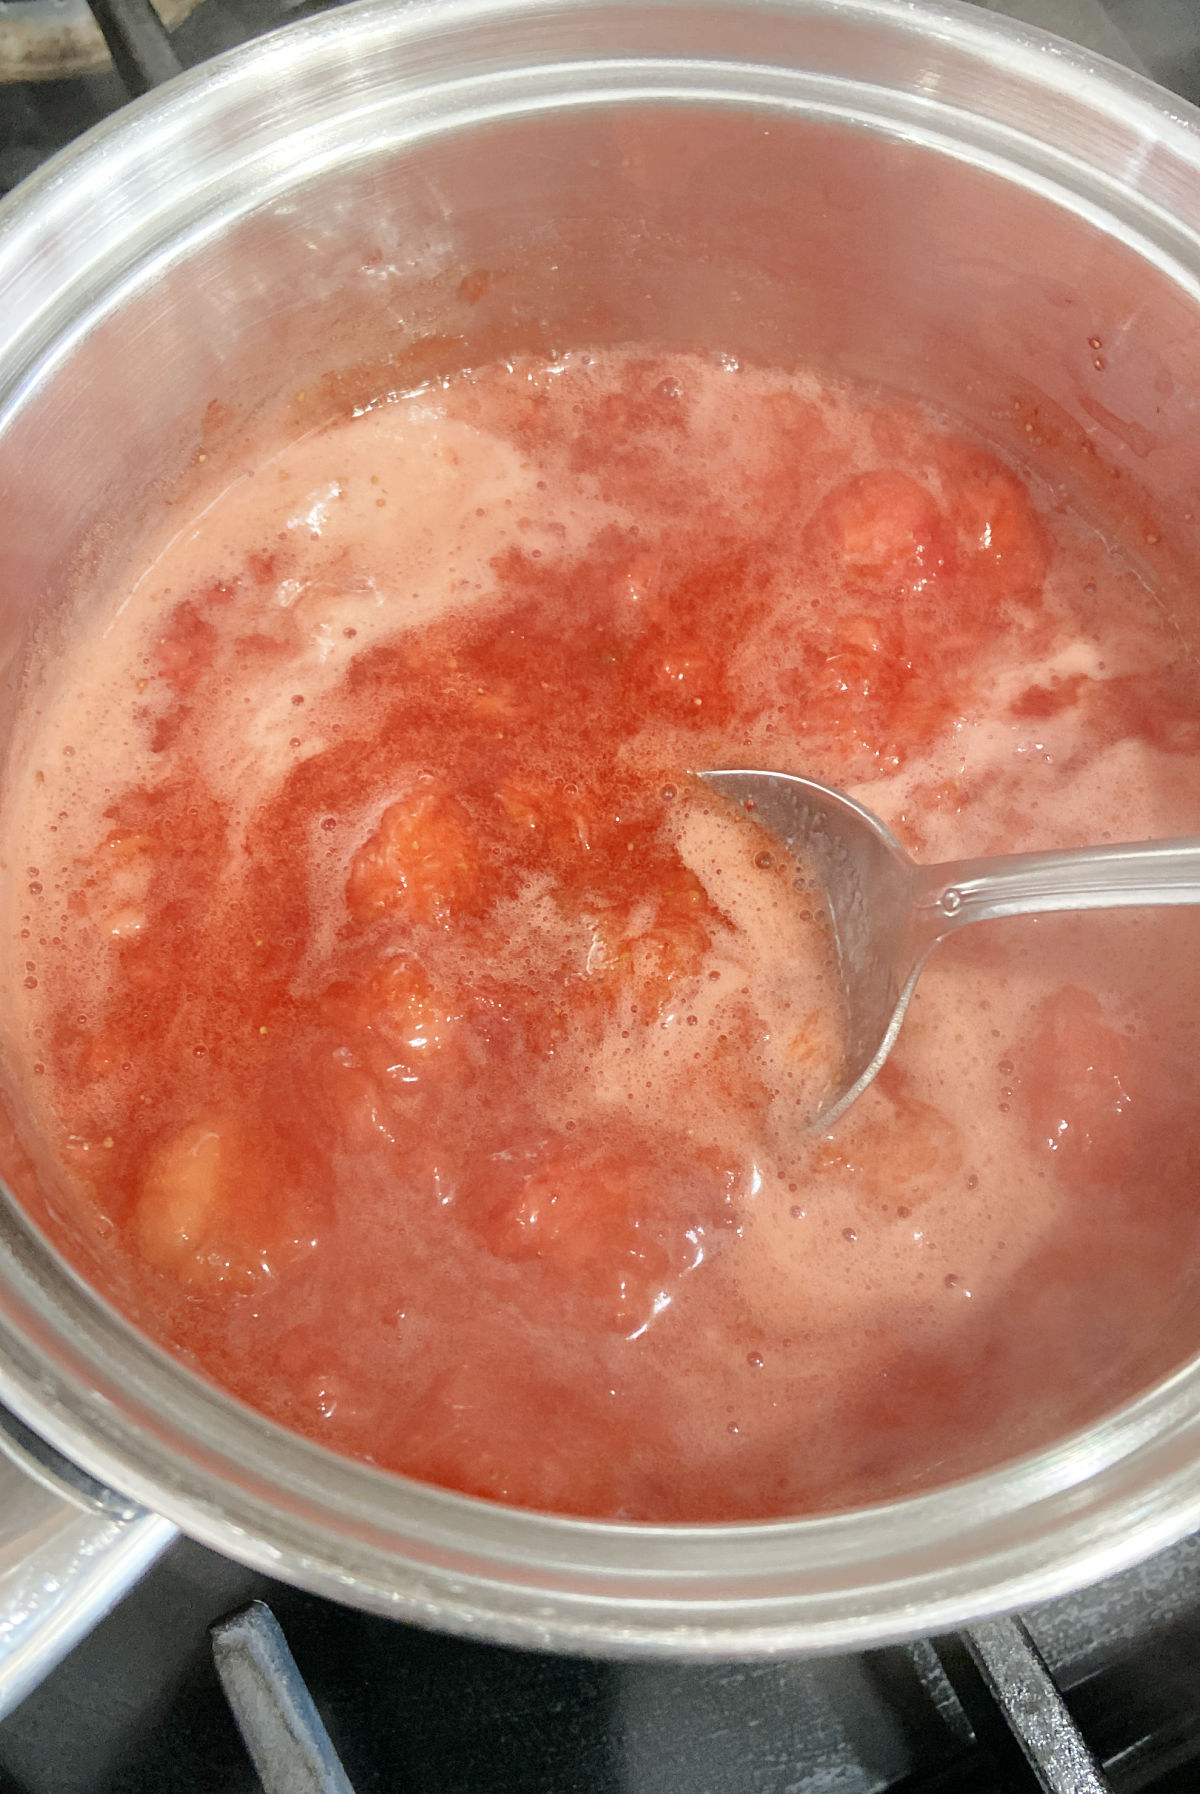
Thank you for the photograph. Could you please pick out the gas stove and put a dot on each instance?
(133, 1661)
(1093, 1692)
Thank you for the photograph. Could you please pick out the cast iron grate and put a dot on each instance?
(1019, 1720)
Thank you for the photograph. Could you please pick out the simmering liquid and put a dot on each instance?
(433, 1057)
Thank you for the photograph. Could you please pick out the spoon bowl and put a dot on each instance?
(888, 913)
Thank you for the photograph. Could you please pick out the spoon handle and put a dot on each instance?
(1022, 884)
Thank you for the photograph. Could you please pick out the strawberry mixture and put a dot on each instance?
(432, 1058)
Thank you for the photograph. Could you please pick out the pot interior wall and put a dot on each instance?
(747, 231)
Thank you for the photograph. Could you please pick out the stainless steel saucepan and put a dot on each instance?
(918, 194)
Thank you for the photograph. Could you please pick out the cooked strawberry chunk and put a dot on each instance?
(672, 949)
(397, 1001)
(881, 529)
(394, 1017)
(583, 1215)
(897, 1145)
(1003, 546)
(562, 815)
(614, 1230)
(217, 1206)
(408, 1011)
(421, 861)
(649, 950)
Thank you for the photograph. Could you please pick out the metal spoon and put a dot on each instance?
(889, 914)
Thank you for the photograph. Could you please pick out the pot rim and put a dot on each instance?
(74, 1369)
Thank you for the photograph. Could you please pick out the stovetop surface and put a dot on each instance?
(138, 1708)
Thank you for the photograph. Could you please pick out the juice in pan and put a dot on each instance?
(433, 1059)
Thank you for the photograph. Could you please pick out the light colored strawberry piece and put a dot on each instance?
(212, 1208)
(403, 1006)
(116, 886)
(362, 1113)
(422, 860)
(395, 1004)
(672, 949)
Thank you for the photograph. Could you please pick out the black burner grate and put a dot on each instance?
(1008, 1697)
(139, 1707)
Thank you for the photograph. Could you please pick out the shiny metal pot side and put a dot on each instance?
(915, 193)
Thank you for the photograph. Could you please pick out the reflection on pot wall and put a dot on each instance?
(778, 240)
